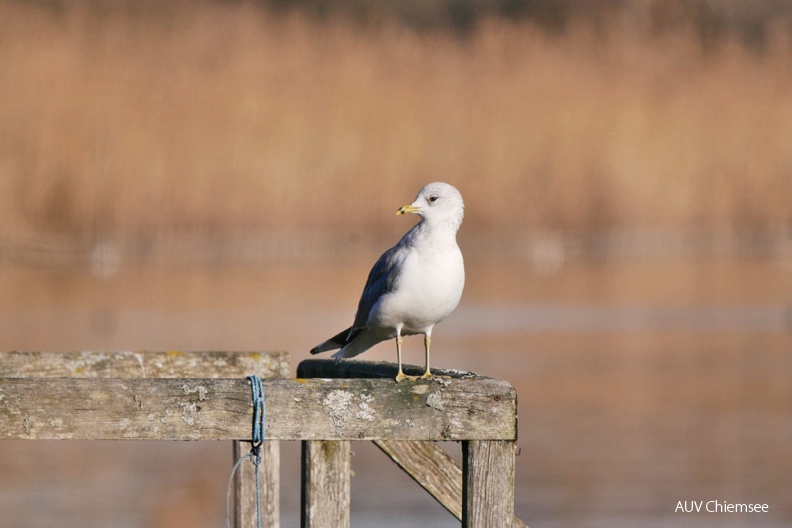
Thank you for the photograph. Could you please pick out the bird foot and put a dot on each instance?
(402, 376)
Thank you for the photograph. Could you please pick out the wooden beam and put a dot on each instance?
(326, 469)
(488, 484)
(143, 364)
(434, 470)
(245, 486)
(431, 467)
(204, 409)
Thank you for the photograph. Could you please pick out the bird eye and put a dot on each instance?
(432, 199)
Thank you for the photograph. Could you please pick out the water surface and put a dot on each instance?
(640, 384)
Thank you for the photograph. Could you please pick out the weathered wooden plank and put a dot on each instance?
(143, 364)
(488, 484)
(204, 409)
(245, 486)
(326, 468)
(436, 472)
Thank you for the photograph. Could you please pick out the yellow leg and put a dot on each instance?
(427, 343)
(401, 375)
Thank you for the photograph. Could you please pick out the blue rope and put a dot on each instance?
(259, 410)
(259, 423)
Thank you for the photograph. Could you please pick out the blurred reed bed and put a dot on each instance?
(141, 127)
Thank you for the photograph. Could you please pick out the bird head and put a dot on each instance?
(437, 202)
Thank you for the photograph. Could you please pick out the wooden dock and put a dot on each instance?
(205, 396)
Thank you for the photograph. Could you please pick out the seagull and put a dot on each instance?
(414, 285)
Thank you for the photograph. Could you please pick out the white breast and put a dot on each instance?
(429, 289)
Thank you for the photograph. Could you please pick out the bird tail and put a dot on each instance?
(337, 341)
(357, 344)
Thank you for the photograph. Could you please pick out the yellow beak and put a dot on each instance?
(407, 209)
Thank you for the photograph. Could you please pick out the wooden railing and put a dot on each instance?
(481, 492)
(181, 396)
(35, 371)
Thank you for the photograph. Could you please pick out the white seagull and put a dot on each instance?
(414, 285)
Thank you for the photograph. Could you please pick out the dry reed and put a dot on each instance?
(215, 118)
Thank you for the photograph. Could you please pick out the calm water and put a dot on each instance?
(640, 384)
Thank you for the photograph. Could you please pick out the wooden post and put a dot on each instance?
(245, 486)
(436, 472)
(325, 483)
(487, 483)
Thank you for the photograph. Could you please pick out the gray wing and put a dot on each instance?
(382, 279)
